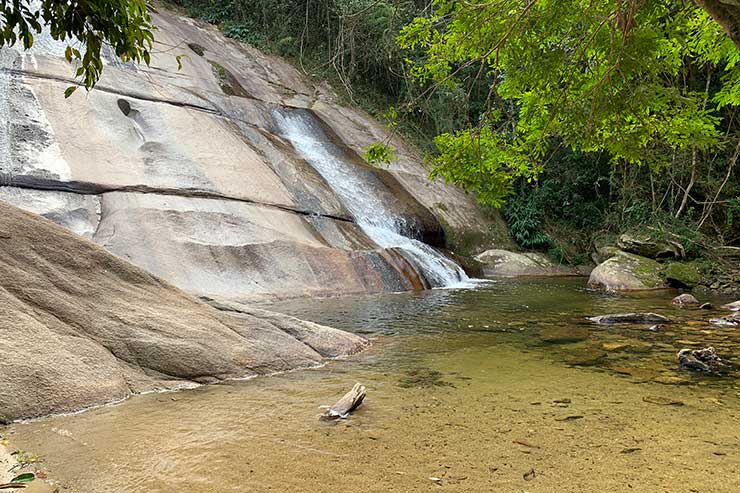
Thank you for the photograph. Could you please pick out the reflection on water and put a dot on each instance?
(474, 388)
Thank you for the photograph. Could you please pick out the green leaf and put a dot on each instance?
(69, 91)
(24, 478)
(380, 153)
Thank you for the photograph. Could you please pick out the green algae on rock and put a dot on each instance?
(627, 272)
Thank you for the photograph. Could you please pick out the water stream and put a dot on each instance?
(386, 228)
(464, 386)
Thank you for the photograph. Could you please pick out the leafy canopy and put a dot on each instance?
(124, 25)
(617, 77)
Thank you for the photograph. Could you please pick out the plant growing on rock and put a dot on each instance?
(86, 26)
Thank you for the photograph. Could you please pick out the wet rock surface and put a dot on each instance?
(705, 360)
(629, 318)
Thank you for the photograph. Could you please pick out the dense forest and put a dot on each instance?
(581, 121)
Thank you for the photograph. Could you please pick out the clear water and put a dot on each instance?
(385, 228)
(462, 387)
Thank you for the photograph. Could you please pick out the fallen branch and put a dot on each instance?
(344, 406)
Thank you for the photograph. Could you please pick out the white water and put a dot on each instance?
(358, 195)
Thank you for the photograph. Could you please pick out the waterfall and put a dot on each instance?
(351, 185)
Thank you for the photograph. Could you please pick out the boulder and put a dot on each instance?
(80, 327)
(627, 272)
(682, 274)
(629, 318)
(504, 263)
(646, 245)
(685, 299)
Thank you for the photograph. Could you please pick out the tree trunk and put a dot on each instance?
(727, 14)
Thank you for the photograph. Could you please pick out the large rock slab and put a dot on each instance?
(206, 132)
(81, 327)
(513, 264)
(243, 251)
(627, 272)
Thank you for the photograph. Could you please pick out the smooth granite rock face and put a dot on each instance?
(183, 172)
(81, 327)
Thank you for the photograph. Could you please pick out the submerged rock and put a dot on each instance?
(629, 318)
(704, 360)
(627, 272)
(513, 264)
(423, 378)
(80, 327)
(564, 335)
(685, 299)
(586, 357)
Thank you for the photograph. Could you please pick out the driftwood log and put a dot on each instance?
(344, 406)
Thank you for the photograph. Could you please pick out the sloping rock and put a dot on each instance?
(165, 166)
(626, 272)
(512, 264)
(80, 327)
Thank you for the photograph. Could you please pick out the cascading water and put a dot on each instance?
(377, 221)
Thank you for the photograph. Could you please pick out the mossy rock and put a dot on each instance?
(682, 274)
(627, 272)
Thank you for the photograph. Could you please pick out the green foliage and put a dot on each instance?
(618, 78)
(125, 25)
(525, 223)
(380, 153)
